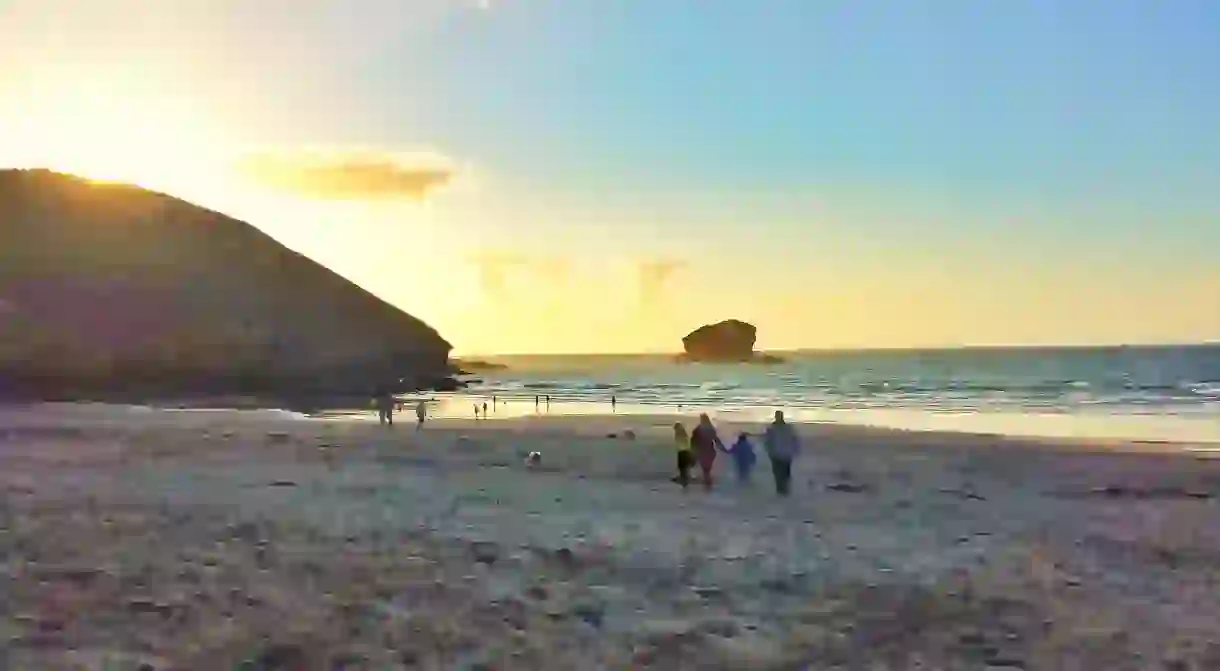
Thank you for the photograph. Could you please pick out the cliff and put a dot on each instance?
(109, 288)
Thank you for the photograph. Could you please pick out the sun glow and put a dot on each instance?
(109, 132)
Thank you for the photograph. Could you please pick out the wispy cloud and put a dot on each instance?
(349, 175)
(654, 274)
(500, 271)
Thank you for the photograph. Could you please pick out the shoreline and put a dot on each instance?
(448, 407)
(1117, 429)
(652, 425)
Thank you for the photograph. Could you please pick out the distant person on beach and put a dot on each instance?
(421, 413)
(783, 446)
(686, 458)
(385, 407)
(705, 443)
(744, 457)
(548, 401)
(613, 402)
(484, 409)
(476, 410)
(535, 403)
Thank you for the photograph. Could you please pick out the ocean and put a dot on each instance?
(1146, 393)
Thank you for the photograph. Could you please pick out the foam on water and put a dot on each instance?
(1135, 393)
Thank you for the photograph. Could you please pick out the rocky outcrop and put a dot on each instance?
(472, 366)
(729, 341)
(108, 288)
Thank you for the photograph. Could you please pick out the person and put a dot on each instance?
(476, 410)
(743, 457)
(704, 443)
(686, 458)
(783, 446)
(484, 409)
(613, 403)
(421, 413)
(385, 407)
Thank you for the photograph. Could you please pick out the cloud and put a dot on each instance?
(495, 269)
(653, 276)
(504, 275)
(342, 175)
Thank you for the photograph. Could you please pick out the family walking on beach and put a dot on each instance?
(703, 445)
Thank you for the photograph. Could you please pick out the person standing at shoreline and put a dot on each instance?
(686, 458)
(783, 446)
(385, 407)
(705, 443)
(421, 413)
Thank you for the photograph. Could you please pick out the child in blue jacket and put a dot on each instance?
(743, 457)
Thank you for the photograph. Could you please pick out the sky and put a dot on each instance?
(607, 175)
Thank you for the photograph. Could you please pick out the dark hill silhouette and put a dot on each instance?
(116, 289)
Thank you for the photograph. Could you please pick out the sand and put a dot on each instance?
(219, 540)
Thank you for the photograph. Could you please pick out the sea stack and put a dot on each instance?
(109, 288)
(729, 341)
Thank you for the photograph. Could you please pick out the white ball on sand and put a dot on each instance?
(533, 460)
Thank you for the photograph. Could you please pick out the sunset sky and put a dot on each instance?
(605, 175)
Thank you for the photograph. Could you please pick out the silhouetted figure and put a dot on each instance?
(783, 446)
(686, 458)
(476, 410)
(548, 401)
(484, 409)
(535, 403)
(494, 402)
(705, 443)
(613, 403)
(744, 457)
(421, 414)
(385, 407)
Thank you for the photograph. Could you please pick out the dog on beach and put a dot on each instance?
(533, 460)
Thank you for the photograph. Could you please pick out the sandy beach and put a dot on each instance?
(255, 540)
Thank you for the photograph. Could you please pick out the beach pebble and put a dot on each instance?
(538, 592)
(592, 612)
(725, 627)
(846, 487)
(279, 657)
(747, 651)
(708, 591)
(660, 631)
(485, 552)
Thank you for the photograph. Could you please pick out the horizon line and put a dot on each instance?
(912, 348)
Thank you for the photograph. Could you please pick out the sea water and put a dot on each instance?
(1148, 393)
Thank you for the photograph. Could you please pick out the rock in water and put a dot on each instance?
(729, 340)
